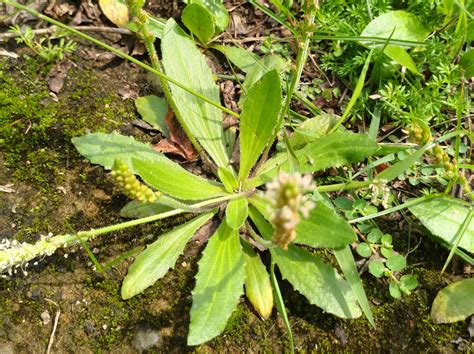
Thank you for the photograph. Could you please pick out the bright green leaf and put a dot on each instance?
(401, 56)
(376, 268)
(409, 281)
(396, 262)
(259, 120)
(317, 281)
(324, 228)
(217, 9)
(363, 249)
(312, 129)
(219, 285)
(170, 178)
(183, 62)
(386, 252)
(443, 217)
(136, 209)
(454, 302)
(394, 290)
(228, 178)
(153, 110)
(104, 149)
(257, 283)
(155, 261)
(236, 213)
(374, 236)
(199, 21)
(333, 150)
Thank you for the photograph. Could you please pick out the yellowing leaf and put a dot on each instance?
(115, 11)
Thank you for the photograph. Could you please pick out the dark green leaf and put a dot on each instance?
(136, 209)
(333, 150)
(467, 63)
(218, 10)
(155, 261)
(259, 120)
(324, 228)
(374, 236)
(317, 281)
(454, 303)
(199, 21)
(219, 285)
(240, 57)
(153, 110)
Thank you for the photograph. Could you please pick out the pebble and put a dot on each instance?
(45, 317)
(145, 337)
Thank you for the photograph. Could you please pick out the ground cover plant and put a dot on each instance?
(268, 212)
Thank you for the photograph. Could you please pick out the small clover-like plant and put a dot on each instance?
(383, 261)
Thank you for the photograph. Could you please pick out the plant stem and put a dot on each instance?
(119, 54)
(22, 253)
(343, 186)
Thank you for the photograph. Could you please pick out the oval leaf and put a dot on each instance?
(219, 285)
(217, 9)
(184, 62)
(257, 283)
(115, 11)
(317, 281)
(259, 120)
(443, 217)
(155, 261)
(454, 303)
(153, 110)
(324, 228)
(199, 21)
(170, 178)
(136, 209)
(236, 213)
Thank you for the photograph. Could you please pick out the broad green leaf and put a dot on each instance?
(333, 150)
(363, 249)
(443, 217)
(467, 63)
(259, 69)
(153, 110)
(257, 283)
(228, 178)
(219, 285)
(324, 228)
(155, 261)
(104, 149)
(312, 129)
(394, 289)
(236, 213)
(170, 178)
(183, 62)
(397, 24)
(349, 268)
(259, 120)
(317, 281)
(454, 302)
(218, 10)
(136, 209)
(199, 21)
(240, 57)
(401, 166)
(401, 25)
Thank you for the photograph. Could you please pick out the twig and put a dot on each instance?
(55, 326)
(52, 29)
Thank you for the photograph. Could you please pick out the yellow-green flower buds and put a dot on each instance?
(287, 195)
(129, 185)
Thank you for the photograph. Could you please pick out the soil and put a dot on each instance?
(56, 190)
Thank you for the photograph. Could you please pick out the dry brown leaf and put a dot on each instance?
(177, 143)
(57, 75)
